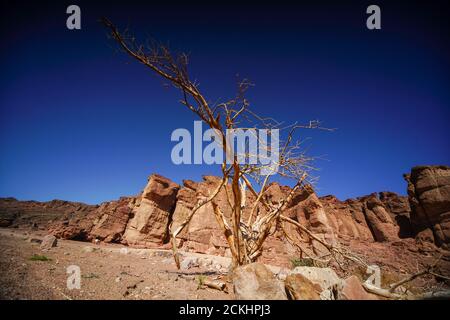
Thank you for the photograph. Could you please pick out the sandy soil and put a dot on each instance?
(107, 272)
(114, 271)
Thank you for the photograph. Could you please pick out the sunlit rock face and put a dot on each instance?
(146, 220)
(429, 198)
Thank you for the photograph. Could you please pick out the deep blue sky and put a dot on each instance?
(80, 121)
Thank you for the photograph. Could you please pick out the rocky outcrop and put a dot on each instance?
(138, 221)
(48, 242)
(203, 233)
(145, 220)
(429, 198)
(348, 219)
(307, 209)
(41, 215)
(379, 220)
(152, 213)
(111, 221)
(377, 217)
(399, 209)
(106, 222)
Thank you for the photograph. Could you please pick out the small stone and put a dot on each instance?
(118, 279)
(34, 240)
(88, 249)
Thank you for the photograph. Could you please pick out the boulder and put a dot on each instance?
(48, 242)
(299, 287)
(326, 278)
(256, 282)
(352, 289)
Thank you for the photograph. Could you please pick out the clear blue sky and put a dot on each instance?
(80, 121)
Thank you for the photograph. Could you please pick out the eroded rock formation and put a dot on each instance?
(152, 213)
(429, 197)
(144, 220)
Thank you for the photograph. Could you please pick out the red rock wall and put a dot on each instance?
(429, 197)
(145, 220)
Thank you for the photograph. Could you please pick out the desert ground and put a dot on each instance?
(118, 272)
(107, 272)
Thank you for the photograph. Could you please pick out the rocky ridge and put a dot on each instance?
(144, 220)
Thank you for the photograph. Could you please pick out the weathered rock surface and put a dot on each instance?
(202, 234)
(352, 289)
(399, 209)
(256, 282)
(152, 213)
(25, 214)
(429, 197)
(326, 278)
(48, 242)
(144, 220)
(106, 222)
(379, 220)
(140, 221)
(188, 263)
(111, 221)
(299, 287)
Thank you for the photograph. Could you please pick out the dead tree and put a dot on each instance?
(245, 237)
